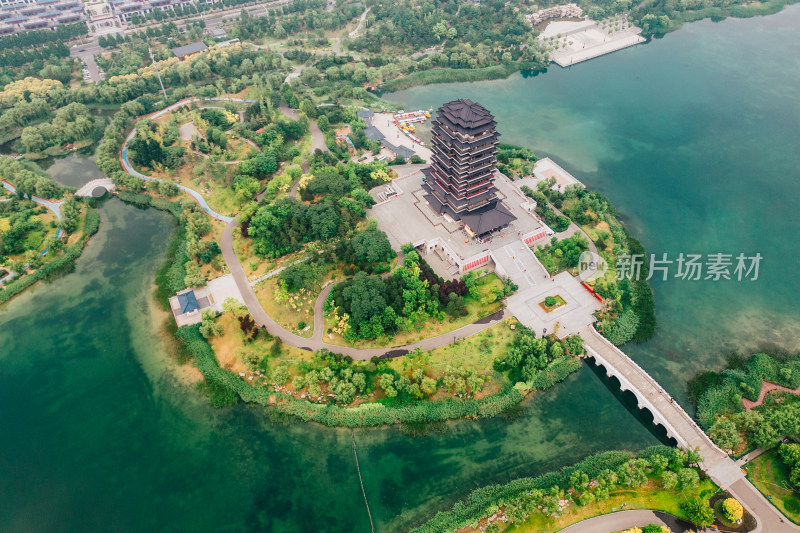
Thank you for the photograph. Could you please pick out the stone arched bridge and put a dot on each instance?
(96, 188)
(681, 427)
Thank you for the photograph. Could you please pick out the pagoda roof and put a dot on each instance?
(488, 219)
(466, 114)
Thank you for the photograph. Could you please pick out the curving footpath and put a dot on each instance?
(126, 164)
(649, 393)
(621, 520)
(55, 207)
(316, 342)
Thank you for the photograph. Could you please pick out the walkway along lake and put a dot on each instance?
(101, 424)
(697, 148)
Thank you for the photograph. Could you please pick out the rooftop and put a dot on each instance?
(188, 302)
(188, 49)
(408, 217)
(397, 150)
(373, 134)
(466, 113)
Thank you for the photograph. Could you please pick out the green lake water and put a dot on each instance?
(693, 137)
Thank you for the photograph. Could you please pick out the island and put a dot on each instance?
(341, 261)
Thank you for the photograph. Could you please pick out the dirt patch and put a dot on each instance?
(188, 131)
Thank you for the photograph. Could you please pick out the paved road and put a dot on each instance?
(359, 27)
(629, 519)
(316, 343)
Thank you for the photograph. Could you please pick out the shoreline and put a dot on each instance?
(504, 71)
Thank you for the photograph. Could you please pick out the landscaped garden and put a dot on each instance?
(659, 478)
(629, 311)
(718, 397)
(210, 151)
(773, 477)
(551, 303)
(370, 311)
(477, 376)
(34, 243)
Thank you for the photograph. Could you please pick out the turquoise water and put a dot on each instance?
(694, 138)
(103, 431)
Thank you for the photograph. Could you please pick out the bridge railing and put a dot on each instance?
(675, 404)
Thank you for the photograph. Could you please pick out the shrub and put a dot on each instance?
(732, 509)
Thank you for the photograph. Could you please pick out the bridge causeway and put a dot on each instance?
(88, 188)
(680, 426)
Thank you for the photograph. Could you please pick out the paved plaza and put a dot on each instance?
(545, 169)
(565, 320)
(517, 261)
(406, 217)
(585, 39)
(383, 121)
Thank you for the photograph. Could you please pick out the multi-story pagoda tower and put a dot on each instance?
(460, 178)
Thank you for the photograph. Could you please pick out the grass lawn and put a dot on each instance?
(230, 346)
(238, 149)
(649, 496)
(476, 351)
(484, 305)
(771, 476)
(245, 252)
(299, 307)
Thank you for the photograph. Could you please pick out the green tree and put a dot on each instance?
(209, 327)
(658, 462)
(669, 480)
(280, 375)
(371, 245)
(688, 478)
(307, 107)
(428, 385)
(194, 276)
(698, 511)
(724, 434)
(733, 509)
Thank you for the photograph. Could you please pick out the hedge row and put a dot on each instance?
(478, 503)
(365, 415)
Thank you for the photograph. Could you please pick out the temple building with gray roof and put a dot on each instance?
(460, 179)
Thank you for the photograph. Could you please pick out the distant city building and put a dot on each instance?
(123, 10)
(182, 52)
(460, 179)
(217, 33)
(21, 16)
(555, 12)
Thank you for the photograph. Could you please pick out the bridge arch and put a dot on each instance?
(629, 398)
(96, 188)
